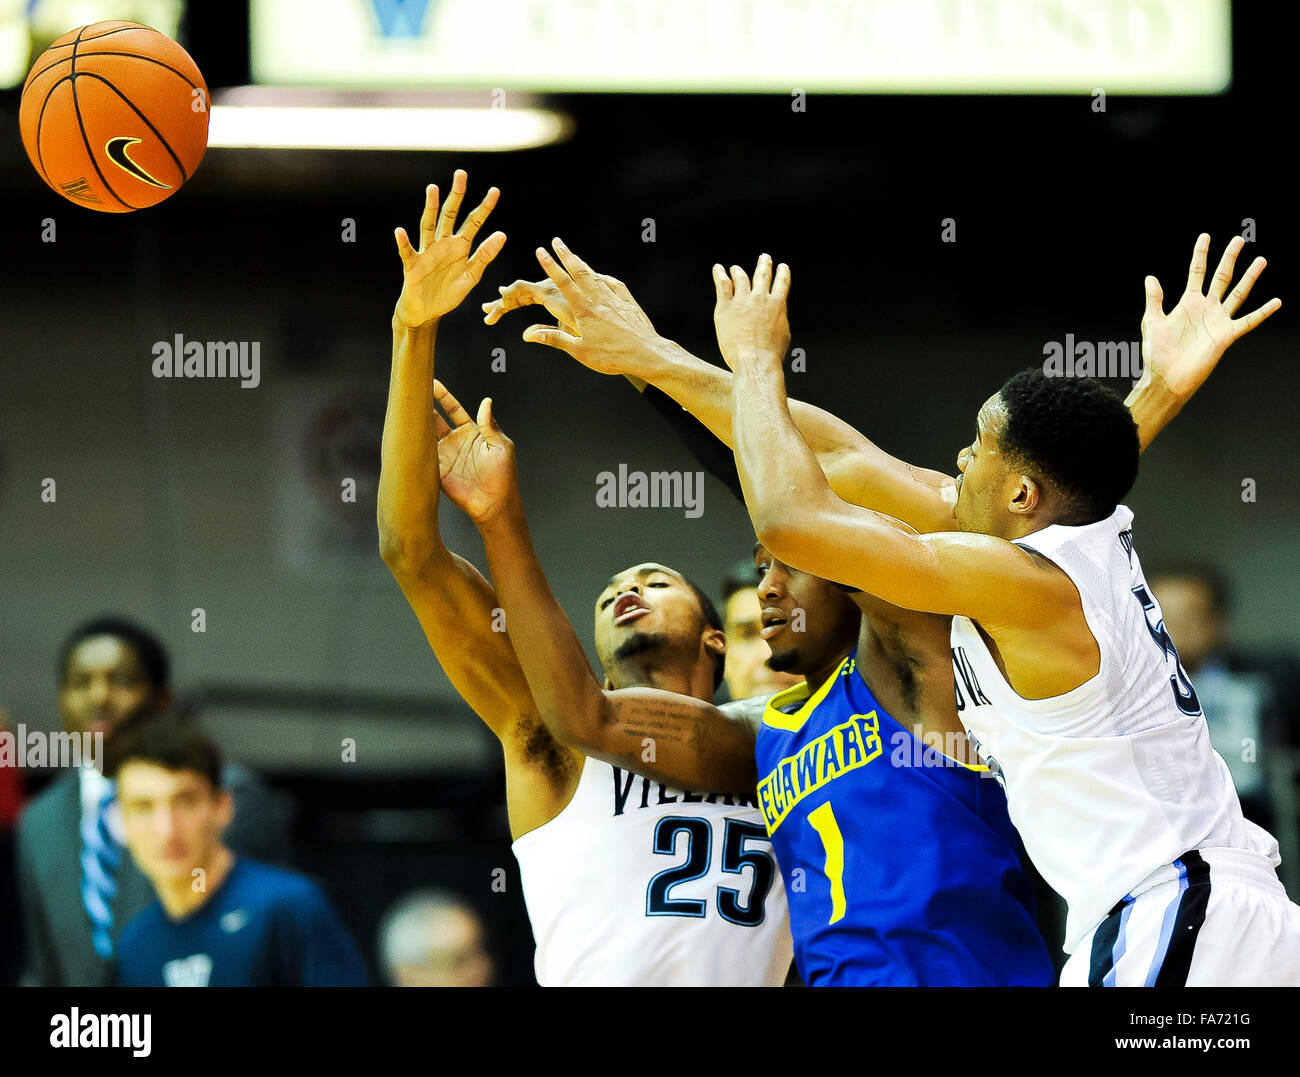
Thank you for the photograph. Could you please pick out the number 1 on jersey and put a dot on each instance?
(822, 820)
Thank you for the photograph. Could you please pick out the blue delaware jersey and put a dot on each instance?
(264, 927)
(901, 865)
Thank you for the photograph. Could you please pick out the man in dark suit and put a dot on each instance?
(79, 888)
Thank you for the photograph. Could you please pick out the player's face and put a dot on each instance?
(173, 819)
(982, 486)
(104, 684)
(806, 620)
(747, 672)
(642, 606)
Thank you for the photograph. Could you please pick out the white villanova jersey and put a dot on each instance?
(636, 884)
(1115, 779)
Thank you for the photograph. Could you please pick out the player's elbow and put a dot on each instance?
(394, 550)
(586, 725)
(785, 539)
(405, 554)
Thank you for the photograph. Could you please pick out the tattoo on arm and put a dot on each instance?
(660, 722)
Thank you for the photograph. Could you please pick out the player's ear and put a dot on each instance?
(715, 641)
(1026, 495)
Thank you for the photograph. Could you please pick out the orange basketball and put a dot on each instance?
(114, 116)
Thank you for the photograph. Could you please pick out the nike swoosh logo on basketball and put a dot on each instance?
(115, 148)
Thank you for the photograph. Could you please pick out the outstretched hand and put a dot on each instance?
(599, 323)
(751, 318)
(441, 273)
(476, 461)
(1184, 346)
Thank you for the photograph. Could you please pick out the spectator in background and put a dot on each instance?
(746, 672)
(78, 887)
(11, 785)
(220, 920)
(432, 938)
(1251, 700)
(11, 935)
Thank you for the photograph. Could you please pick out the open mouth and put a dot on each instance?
(628, 608)
(772, 620)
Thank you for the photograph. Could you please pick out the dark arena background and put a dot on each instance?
(958, 187)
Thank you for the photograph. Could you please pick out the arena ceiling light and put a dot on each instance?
(261, 117)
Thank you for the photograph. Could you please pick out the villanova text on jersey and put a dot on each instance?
(902, 868)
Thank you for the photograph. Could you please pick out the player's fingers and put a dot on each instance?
(440, 427)
(1196, 271)
(1155, 300)
(455, 412)
(583, 275)
(480, 214)
(561, 279)
(487, 419)
(721, 282)
(404, 249)
(526, 294)
(763, 274)
(1243, 325)
(1223, 275)
(781, 282)
(522, 293)
(739, 282)
(1238, 295)
(429, 218)
(482, 258)
(552, 336)
(447, 218)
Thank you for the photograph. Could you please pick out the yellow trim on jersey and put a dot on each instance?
(951, 758)
(792, 723)
(851, 744)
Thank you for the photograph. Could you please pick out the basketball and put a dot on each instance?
(114, 116)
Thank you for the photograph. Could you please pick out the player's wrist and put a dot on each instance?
(1153, 406)
(757, 365)
(659, 359)
(504, 517)
(405, 322)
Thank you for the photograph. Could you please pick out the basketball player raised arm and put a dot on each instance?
(601, 325)
(1018, 597)
(455, 605)
(672, 734)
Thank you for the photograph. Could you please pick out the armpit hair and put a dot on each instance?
(539, 748)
